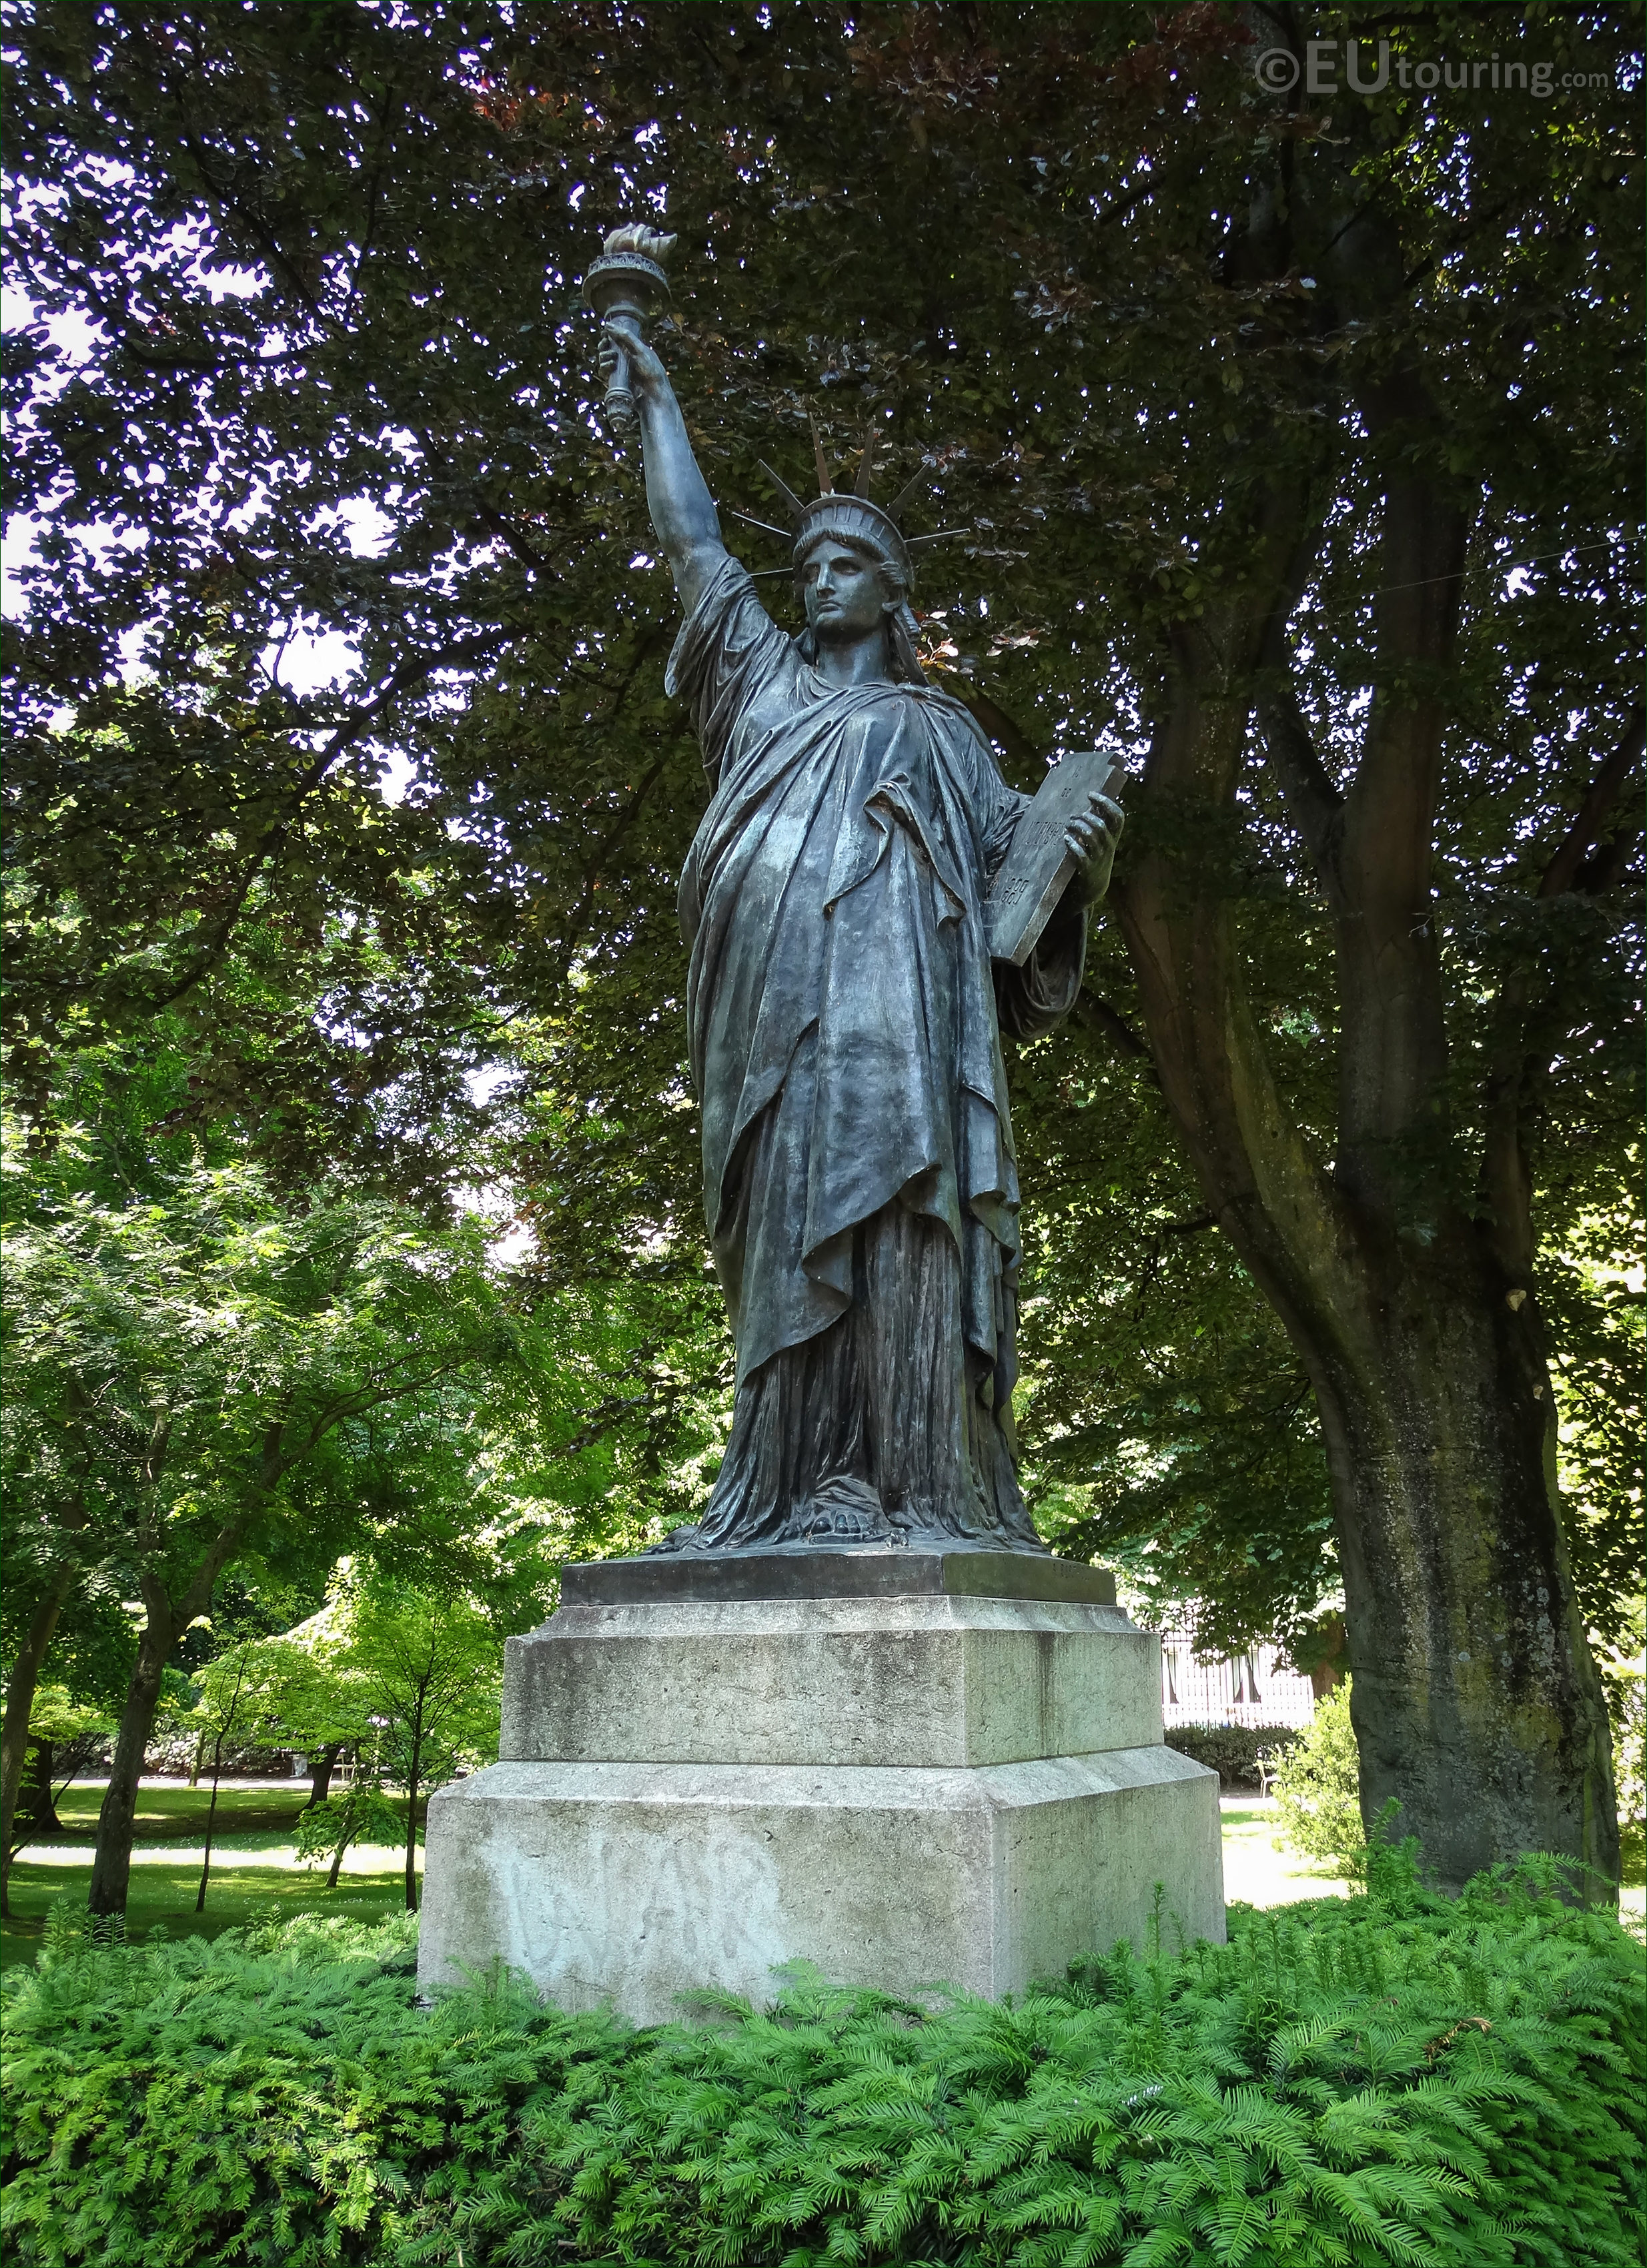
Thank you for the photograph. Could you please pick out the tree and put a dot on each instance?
(314, 1700)
(433, 1668)
(308, 1695)
(210, 1355)
(225, 1706)
(54, 1580)
(1316, 1803)
(63, 1736)
(1285, 430)
(361, 1814)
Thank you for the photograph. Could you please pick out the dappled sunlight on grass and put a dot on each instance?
(1255, 1872)
(254, 1872)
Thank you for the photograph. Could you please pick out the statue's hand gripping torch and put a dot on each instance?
(628, 279)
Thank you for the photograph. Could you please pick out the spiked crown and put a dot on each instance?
(851, 513)
(857, 519)
(853, 516)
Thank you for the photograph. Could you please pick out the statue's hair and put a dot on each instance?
(902, 629)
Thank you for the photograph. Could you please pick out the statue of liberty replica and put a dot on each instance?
(856, 1715)
(846, 1012)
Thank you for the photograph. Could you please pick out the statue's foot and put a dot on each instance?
(678, 1539)
(840, 1510)
(843, 1510)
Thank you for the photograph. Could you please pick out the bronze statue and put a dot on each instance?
(845, 1014)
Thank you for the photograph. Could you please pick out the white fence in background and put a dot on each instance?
(1255, 1688)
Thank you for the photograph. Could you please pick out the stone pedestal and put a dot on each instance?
(897, 1766)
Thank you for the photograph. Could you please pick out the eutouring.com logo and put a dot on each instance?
(1352, 67)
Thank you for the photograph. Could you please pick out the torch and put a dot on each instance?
(628, 279)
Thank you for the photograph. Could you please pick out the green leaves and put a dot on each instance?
(1318, 1798)
(361, 1814)
(1460, 2086)
(325, 377)
(204, 1363)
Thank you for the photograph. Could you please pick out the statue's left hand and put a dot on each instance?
(1092, 835)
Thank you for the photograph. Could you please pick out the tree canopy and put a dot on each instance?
(1283, 434)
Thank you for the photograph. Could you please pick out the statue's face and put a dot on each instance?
(842, 592)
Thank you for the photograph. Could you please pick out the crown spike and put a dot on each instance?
(826, 485)
(749, 521)
(865, 465)
(908, 489)
(783, 487)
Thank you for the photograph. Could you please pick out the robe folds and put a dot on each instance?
(859, 1184)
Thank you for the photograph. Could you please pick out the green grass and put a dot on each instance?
(1259, 1874)
(253, 1873)
(177, 1814)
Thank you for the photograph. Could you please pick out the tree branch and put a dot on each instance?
(1021, 751)
(1097, 1015)
(1566, 869)
(353, 728)
(1392, 1049)
(1313, 803)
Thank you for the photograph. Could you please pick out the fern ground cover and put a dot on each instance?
(1386, 2077)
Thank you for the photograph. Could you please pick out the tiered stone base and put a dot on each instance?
(914, 1782)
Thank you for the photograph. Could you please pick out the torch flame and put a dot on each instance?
(646, 241)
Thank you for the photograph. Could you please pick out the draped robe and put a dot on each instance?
(859, 1184)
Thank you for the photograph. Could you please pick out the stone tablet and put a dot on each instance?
(1040, 864)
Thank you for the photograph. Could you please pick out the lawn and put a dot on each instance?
(254, 1873)
(254, 1870)
(1258, 1874)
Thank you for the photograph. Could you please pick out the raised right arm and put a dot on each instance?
(677, 496)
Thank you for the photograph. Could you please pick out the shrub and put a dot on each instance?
(1318, 1800)
(1392, 2077)
(1232, 1750)
(1627, 1704)
(360, 1814)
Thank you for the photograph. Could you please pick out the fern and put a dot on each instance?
(1399, 2079)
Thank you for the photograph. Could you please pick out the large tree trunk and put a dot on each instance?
(1475, 1701)
(320, 1779)
(39, 1812)
(117, 1820)
(19, 1702)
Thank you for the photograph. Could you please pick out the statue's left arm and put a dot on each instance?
(1033, 998)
